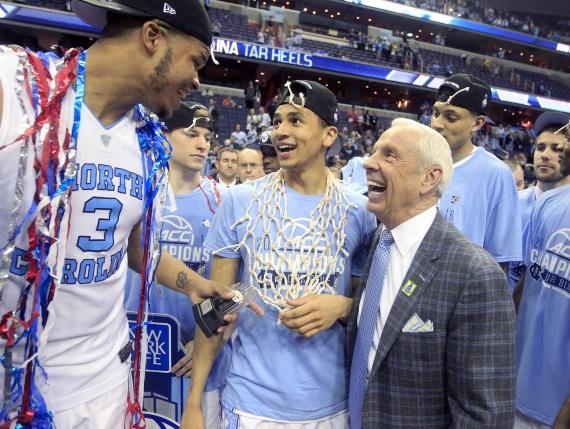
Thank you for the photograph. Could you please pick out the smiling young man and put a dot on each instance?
(86, 354)
(481, 200)
(299, 237)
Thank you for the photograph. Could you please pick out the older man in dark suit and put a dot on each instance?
(431, 335)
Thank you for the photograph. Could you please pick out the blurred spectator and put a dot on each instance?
(216, 27)
(251, 93)
(226, 166)
(250, 165)
(239, 136)
(263, 119)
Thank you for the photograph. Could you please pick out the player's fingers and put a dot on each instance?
(256, 308)
(296, 312)
(310, 328)
(299, 322)
(300, 301)
(182, 363)
(185, 370)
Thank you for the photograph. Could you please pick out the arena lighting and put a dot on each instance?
(462, 23)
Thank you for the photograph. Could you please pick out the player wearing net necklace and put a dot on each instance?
(299, 236)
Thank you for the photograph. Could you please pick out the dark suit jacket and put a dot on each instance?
(462, 374)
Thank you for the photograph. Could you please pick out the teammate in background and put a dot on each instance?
(518, 173)
(86, 357)
(481, 200)
(185, 225)
(543, 340)
(270, 159)
(546, 161)
(250, 165)
(293, 232)
(226, 166)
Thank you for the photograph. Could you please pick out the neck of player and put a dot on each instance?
(111, 89)
(547, 186)
(462, 152)
(311, 181)
(183, 180)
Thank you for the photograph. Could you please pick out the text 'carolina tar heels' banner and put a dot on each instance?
(252, 51)
(164, 392)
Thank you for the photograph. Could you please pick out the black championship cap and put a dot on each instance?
(315, 97)
(265, 145)
(186, 15)
(550, 119)
(466, 91)
(185, 117)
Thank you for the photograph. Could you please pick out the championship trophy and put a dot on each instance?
(210, 313)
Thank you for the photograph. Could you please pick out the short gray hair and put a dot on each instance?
(432, 150)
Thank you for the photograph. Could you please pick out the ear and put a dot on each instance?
(331, 133)
(478, 122)
(152, 33)
(431, 179)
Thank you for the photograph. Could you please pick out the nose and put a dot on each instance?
(202, 144)
(195, 83)
(435, 123)
(370, 163)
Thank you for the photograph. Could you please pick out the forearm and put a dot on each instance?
(170, 271)
(174, 274)
(205, 351)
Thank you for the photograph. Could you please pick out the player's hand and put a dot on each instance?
(192, 418)
(315, 313)
(183, 367)
(206, 288)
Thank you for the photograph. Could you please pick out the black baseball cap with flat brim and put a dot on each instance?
(188, 16)
(317, 98)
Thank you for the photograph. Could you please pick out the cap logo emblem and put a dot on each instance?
(169, 9)
(484, 103)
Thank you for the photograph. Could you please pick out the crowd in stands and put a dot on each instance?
(397, 51)
(477, 10)
(237, 126)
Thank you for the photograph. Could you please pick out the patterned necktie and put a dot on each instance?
(367, 324)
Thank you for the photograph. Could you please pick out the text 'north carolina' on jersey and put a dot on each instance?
(81, 357)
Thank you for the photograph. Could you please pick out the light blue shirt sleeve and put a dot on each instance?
(221, 235)
(503, 233)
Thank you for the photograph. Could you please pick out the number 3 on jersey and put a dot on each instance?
(107, 225)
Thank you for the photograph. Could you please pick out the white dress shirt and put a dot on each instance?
(407, 239)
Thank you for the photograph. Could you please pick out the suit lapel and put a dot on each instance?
(421, 273)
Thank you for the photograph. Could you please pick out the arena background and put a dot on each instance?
(382, 59)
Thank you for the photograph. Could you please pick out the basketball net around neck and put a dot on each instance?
(318, 246)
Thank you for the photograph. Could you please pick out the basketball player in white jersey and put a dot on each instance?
(146, 54)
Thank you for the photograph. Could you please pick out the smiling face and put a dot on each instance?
(174, 61)
(549, 148)
(397, 182)
(300, 137)
(190, 148)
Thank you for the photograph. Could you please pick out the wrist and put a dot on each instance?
(346, 307)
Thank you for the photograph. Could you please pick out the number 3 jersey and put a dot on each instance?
(81, 357)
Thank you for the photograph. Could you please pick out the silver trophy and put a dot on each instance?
(209, 314)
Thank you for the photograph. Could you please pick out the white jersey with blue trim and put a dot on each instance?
(90, 328)
(481, 201)
(543, 329)
(276, 373)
